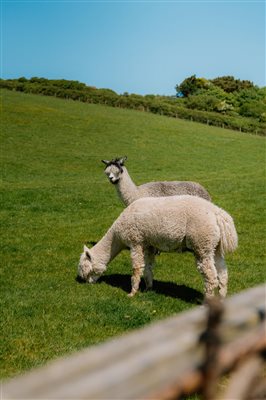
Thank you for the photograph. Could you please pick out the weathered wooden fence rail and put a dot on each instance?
(165, 360)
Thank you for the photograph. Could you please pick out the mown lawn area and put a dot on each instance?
(55, 198)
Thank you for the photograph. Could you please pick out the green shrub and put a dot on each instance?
(205, 107)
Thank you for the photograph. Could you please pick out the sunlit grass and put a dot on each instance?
(55, 198)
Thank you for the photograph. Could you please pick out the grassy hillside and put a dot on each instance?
(223, 102)
(55, 197)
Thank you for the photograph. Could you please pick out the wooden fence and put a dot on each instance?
(181, 355)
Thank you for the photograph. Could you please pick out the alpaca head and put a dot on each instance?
(86, 270)
(114, 169)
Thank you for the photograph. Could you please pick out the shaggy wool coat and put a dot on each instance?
(167, 224)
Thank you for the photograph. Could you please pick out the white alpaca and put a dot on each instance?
(169, 224)
(129, 192)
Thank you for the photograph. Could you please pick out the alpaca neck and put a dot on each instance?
(105, 250)
(126, 188)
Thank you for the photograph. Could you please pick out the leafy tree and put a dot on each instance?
(210, 98)
(229, 84)
(251, 94)
(191, 85)
(253, 109)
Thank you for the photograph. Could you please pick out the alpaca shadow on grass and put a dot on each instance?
(169, 289)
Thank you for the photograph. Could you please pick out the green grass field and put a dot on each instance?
(55, 197)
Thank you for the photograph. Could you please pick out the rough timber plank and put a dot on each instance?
(139, 364)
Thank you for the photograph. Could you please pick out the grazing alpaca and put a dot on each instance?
(169, 224)
(129, 192)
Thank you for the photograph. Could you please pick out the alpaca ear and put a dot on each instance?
(122, 160)
(106, 162)
(87, 252)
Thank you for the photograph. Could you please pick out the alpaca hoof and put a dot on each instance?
(131, 294)
(148, 289)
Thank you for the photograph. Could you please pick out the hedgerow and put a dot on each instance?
(163, 105)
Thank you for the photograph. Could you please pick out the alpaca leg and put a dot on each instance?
(148, 274)
(207, 268)
(138, 265)
(222, 274)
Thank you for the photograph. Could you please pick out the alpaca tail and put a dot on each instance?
(228, 239)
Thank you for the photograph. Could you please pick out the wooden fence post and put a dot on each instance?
(163, 360)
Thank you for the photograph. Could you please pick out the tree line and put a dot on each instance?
(224, 101)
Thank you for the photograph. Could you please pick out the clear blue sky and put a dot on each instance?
(133, 46)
